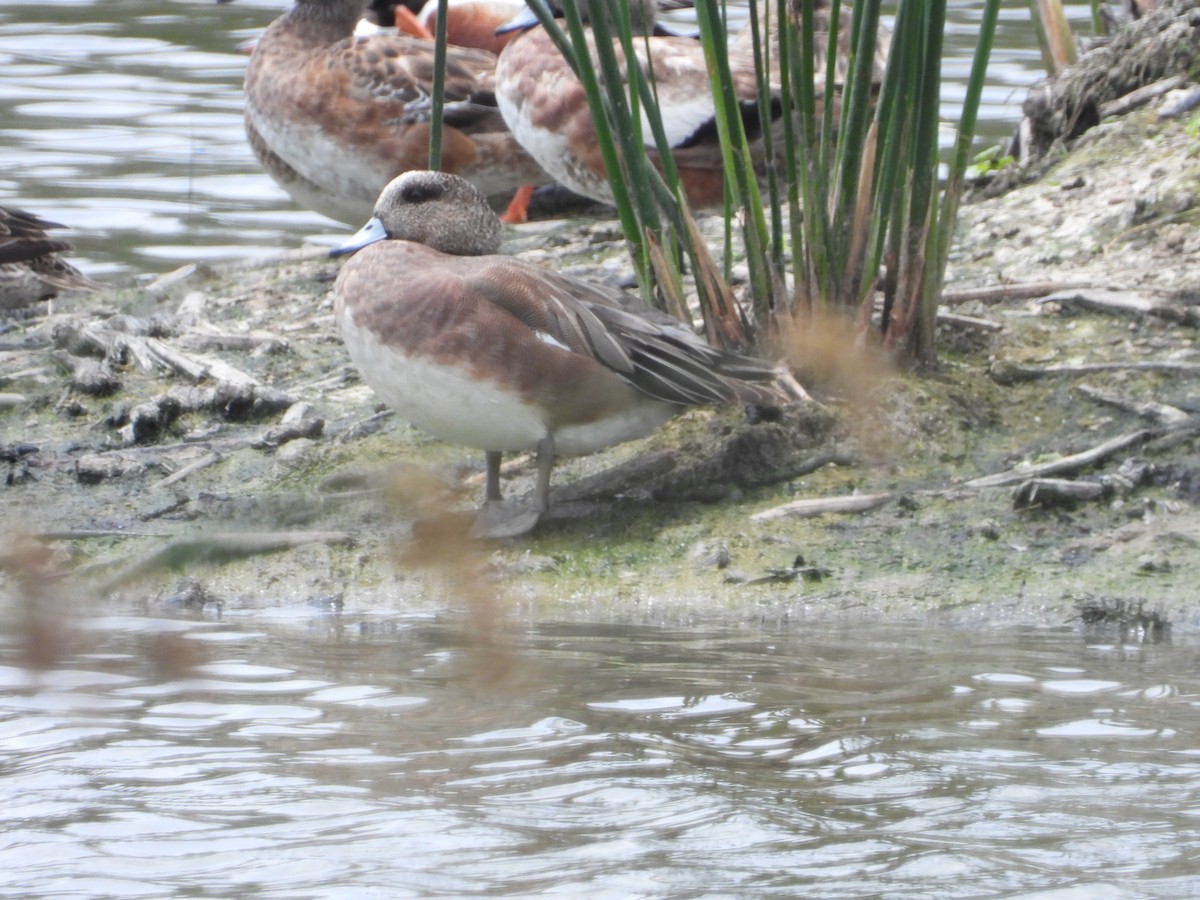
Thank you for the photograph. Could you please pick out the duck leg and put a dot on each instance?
(497, 519)
(493, 476)
(545, 462)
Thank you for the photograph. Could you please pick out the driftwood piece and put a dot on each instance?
(277, 435)
(1008, 372)
(202, 463)
(256, 343)
(972, 322)
(235, 403)
(1140, 96)
(40, 374)
(88, 534)
(1047, 492)
(1063, 492)
(1180, 105)
(1130, 303)
(1066, 464)
(91, 376)
(129, 339)
(1146, 409)
(165, 283)
(1029, 290)
(618, 480)
(817, 506)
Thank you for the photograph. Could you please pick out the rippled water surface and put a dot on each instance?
(250, 759)
(122, 119)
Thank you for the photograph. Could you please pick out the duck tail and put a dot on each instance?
(766, 397)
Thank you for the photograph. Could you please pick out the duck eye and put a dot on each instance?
(422, 193)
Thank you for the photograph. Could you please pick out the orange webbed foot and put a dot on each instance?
(518, 207)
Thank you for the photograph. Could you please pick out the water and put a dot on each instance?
(123, 120)
(250, 758)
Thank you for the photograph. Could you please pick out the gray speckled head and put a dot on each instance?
(441, 211)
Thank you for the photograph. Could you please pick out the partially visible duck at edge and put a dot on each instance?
(30, 267)
(333, 118)
(545, 106)
(501, 355)
(469, 23)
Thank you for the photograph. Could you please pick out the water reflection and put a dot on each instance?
(123, 120)
(590, 760)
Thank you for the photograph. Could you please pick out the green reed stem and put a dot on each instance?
(439, 88)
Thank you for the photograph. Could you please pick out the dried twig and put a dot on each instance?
(816, 506)
(960, 321)
(1133, 303)
(87, 534)
(149, 352)
(1141, 96)
(1147, 409)
(1008, 372)
(202, 463)
(1027, 291)
(1056, 492)
(1064, 465)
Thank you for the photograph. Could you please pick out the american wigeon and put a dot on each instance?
(469, 23)
(502, 355)
(30, 267)
(333, 118)
(546, 108)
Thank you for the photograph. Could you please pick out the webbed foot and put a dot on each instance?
(502, 519)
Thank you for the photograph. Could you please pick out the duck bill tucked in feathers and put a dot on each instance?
(373, 231)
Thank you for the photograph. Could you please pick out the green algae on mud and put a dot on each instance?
(1113, 213)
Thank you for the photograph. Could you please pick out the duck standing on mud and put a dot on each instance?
(333, 118)
(502, 355)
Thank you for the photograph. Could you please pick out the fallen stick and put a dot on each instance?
(817, 506)
(1047, 492)
(1066, 464)
(1008, 372)
(1130, 303)
(1026, 291)
(202, 463)
(961, 321)
(149, 352)
(622, 479)
(1146, 409)
(85, 534)
(1140, 96)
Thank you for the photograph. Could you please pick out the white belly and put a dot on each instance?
(443, 400)
(551, 150)
(336, 183)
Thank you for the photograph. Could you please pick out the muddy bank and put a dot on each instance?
(202, 442)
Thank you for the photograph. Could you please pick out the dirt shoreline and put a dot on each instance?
(267, 480)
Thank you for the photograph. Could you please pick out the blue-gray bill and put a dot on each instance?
(370, 233)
